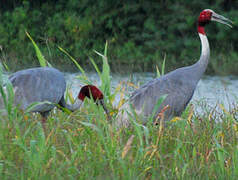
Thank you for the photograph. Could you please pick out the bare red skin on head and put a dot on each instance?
(88, 91)
(203, 19)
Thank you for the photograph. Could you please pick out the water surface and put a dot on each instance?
(213, 90)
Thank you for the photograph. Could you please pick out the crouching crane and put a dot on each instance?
(178, 86)
(47, 84)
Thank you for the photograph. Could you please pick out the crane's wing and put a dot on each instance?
(38, 85)
(179, 92)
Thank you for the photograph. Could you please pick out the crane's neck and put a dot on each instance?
(201, 65)
(74, 106)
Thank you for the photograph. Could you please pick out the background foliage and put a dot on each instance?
(139, 33)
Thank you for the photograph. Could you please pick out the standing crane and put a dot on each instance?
(178, 86)
(47, 86)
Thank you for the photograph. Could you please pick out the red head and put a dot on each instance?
(203, 19)
(90, 91)
(209, 15)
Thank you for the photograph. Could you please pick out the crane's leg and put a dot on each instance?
(44, 118)
(43, 121)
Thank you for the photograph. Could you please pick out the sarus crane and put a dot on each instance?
(46, 86)
(178, 86)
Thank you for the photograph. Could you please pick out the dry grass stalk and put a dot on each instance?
(127, 147)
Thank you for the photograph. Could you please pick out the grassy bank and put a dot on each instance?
(85, 145)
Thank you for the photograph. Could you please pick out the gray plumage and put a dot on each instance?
(39, 85)
(46, 86)
(178, 86)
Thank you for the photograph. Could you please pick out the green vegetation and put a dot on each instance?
(139, 33)
(85, 145)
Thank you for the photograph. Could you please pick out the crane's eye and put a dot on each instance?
(208, 14)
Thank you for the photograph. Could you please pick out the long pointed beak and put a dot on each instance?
(101, 101)
(221, 19)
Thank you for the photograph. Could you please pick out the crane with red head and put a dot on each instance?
(178, 86)
(47, 86)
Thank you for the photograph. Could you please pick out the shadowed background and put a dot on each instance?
(140, 33)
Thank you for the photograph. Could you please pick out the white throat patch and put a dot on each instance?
(204, 44)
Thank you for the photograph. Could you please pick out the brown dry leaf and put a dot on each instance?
(175, 119)
(190, 115)
(25, 117)
(71, 98)
(153, 153)
(122, 99)
(127, 146)
(48, 137)
(160, 116)
(132, 85)
(207, 155)
(147, 153)
(49, 163)
(63, 155)
(224, 109)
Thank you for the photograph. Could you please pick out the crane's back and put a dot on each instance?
(38, 85)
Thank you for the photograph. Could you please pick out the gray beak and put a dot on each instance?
(221, 19)
(101, 101)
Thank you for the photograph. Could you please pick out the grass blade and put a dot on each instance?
(157, 71)
(163, 65)
(75, 62)
(96, 67)
(42, 60)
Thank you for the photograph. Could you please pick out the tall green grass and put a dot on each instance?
(84, 145)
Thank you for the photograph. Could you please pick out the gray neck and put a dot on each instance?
(72, 107)
(201, 65)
